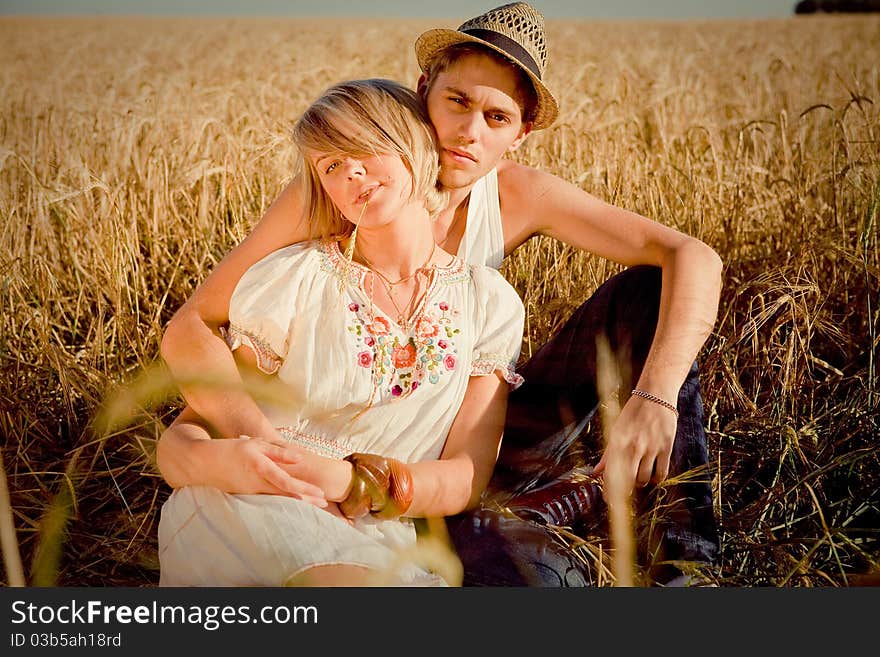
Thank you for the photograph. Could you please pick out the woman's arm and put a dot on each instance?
(454, 482)
(192, 347)
(445, 486)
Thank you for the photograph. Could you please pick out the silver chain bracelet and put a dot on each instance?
(656, 400)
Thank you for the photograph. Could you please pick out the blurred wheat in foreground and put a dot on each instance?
(135, 153)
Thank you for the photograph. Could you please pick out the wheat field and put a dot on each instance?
(135, 152)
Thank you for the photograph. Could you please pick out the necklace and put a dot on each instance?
(405, 278)
(403, 314)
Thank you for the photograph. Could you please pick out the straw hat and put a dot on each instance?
(515, 31)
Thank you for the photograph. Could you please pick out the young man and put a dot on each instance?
(484, 92)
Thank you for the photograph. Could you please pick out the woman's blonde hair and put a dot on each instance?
(365, 117)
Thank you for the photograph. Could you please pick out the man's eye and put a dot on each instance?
(457, 100)
(500, 118)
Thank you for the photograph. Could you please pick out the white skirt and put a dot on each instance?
(211, 538)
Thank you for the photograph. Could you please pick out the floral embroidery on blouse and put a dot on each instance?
(401, 362)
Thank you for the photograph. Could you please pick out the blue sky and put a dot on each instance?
(451, 9)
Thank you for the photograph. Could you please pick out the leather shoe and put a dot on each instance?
(573, 502)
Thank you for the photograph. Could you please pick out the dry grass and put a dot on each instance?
(134, 154)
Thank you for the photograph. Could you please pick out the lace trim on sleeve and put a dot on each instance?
(488, 364)
(268, 361)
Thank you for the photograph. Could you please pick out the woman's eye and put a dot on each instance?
(330, 168)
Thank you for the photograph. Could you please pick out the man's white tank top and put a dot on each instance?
(483, 239)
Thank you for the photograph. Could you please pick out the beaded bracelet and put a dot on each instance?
(656, 400)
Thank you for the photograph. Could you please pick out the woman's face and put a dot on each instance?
(353, 180)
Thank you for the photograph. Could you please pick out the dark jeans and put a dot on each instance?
(546, 434)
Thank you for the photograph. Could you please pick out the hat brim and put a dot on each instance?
(433, 41)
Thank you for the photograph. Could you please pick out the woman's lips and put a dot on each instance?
(366, 194)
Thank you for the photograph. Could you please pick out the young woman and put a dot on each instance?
(395, 359)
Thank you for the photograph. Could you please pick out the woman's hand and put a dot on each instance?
(248, 465)
(332, 476)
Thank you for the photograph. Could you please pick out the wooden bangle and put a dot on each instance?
(400, 491)
(369, 486)
(381, 486)
(357, 502)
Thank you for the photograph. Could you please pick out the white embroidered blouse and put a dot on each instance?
(356, 381)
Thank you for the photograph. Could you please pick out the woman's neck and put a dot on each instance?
(399, 247)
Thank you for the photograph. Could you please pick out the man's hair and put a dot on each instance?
(365, 118)
(444, 60)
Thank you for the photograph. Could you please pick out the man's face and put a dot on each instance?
(475, 110)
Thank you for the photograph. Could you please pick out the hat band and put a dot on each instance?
(508, 45)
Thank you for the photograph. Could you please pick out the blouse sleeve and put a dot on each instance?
(499, 327)
(261, 307)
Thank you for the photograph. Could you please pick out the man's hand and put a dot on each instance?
(640, 443)
(260, 466)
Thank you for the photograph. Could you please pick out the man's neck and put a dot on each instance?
(449, 225)
(456, 198)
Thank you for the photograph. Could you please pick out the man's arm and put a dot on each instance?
(192, 346)
(537, 203)
(189, 455)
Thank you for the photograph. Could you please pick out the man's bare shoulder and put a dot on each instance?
(533, 201)
(520, 190)
(513, 174)
(525, 183)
